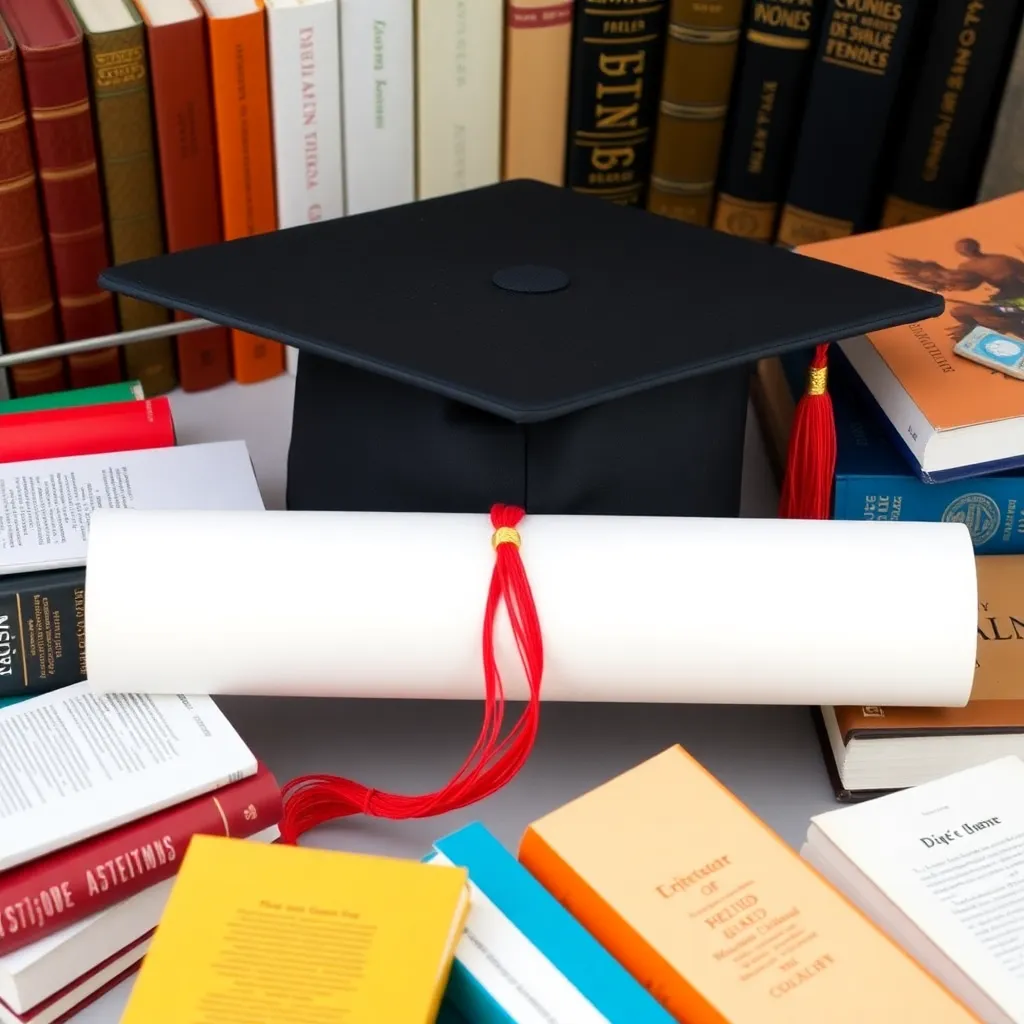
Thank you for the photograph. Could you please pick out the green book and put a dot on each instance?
(122, 391)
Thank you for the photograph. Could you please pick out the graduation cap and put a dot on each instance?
(528, 345)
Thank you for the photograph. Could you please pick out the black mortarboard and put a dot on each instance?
(521, 344)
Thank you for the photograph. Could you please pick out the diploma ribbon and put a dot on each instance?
(312, 800)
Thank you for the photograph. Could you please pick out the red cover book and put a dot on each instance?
(48, 894)
(56, 81)
(86, 430)
(26, 294)
(183, 111)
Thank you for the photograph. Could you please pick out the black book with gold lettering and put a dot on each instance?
(952, 110)
(617, 55)
(859, 65)
(768, 100)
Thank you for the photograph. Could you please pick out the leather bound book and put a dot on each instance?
(700, 56)
(116, 45)
(183, 112)
(57, 86)
(26, 294)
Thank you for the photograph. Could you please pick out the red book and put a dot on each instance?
(86, 430)
(57, 85)
(48, 894)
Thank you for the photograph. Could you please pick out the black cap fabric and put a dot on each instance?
(532, 305)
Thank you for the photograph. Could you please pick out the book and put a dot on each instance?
(378, 103)
(183, 120)
(76, 763)
(951, 417)
(119, 391)
(538, 45)
(53, 892)
(700, 57)
(86, 430)
(26, 291)
(523, 957)
(1004, 162)
(56, 81)
(43, 982)
(372, 938)
(614, 86)
(716, 915)
(46, 505)
(939, 868)
(116, 44)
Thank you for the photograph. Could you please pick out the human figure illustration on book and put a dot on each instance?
(1002, 311)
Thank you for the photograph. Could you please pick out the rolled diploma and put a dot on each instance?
(364, 604)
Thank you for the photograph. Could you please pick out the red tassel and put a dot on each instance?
(493, 762)
(811, 460)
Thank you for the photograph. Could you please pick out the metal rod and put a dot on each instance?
(70, 348)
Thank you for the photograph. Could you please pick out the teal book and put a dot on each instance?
(121, 391)
(524, 959)
(8, 701)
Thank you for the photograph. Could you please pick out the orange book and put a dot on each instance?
(245, 153)
(719, 918)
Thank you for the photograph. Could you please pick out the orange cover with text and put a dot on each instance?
(719, 918)
(245, 155)
(974, 258)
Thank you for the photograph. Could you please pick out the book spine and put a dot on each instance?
(52, 893)
(458, 95)
(26, 293)
(42, 631)
(615, 79)
(1004, 164)
(379, 109)
(120, 87)
(57, 86)
(952, 110)
(538, 44)
(700, 56)
(305, 93)
(183, 116)
(122, 391)
(768, 99)
(245, 154)
(858, 66)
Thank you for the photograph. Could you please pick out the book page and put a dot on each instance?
(74, 763)
(950, 855)
(46, 504)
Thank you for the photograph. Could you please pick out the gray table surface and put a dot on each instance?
(768, 756)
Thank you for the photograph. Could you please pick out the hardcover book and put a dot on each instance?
(1004, 164)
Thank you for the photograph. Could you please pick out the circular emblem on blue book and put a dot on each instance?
(980, 514)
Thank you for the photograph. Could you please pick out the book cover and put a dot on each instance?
(120, 391)
(371, 938)
(1004, 163)
(714, 913)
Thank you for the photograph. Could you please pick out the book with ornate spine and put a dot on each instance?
(700, 55)
(26, 292)
(617, 56)
(537, 50)
(767, 102)
(951, 113)
(57, 87)
(859, 64)
(115, 41)
(1004, 164)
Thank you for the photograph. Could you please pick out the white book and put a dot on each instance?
(941, 869)
(378, 90)
(459, 81)
(74, 763)
(119, 933)
(46, 504)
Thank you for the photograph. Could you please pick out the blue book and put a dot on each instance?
(524, 959)
(874, 481)
(8, 701)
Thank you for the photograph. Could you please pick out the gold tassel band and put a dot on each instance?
(817, 380)
(505, 535)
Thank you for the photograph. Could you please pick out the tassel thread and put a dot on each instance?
(811, 459)
(313, 800)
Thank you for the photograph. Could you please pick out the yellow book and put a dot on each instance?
(715, 914)
(290, 935)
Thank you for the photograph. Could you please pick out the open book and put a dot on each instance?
(941, 869)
